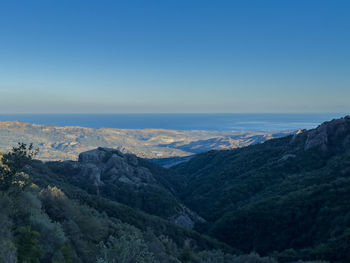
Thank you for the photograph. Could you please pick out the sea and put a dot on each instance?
(207, 122)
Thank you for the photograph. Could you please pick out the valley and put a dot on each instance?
(280, 201)
(66, 143)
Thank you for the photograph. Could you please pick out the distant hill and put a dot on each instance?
(288, 196)
(66, 143)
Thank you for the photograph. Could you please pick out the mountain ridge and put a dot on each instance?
(280, 198)
(277, 193)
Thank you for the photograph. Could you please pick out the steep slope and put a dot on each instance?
(45, 218)
(48, 216)
(126, 178)
(287, 193)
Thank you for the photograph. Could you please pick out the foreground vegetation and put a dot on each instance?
(44, 218)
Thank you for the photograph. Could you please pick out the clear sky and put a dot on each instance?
(174, 56)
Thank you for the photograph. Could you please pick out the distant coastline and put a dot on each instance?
(207, 122)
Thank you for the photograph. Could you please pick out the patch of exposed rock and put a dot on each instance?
(114, 165)
(329, 132)
(335, 132)
(105, 166)
(186, 218)
(300, 131)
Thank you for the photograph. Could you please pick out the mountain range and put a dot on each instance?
(282, 200)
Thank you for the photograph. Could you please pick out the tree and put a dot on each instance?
(13, 162)
(20, 156)
(129, 247)
(27, 245)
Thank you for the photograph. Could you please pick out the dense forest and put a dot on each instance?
(285, 200)
(287, 197)
(46, 218)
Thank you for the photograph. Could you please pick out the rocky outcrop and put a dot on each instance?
(107, 166)
(328, 132)
(95, 156)
(186, 218)
(92, 172)
(114, 165)
(327, 136)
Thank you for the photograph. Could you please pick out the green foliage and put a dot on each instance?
(88, 220)
(275, 197)
(212, 256)
(51, 218)
(20, 156)
(128, 246)
(187, 255)
(252, 258)
(27, 245)
(7, 247)
(11, 171)
(153, 197)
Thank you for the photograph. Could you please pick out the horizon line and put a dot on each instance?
(162, 113)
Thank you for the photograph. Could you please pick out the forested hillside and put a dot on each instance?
(126, 179)
(46, 218)
(287, 197)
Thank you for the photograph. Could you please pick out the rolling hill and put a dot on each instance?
(66, 143)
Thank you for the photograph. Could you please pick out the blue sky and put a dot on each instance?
(174, 56)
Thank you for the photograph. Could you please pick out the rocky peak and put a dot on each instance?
(96, 156)
(114, 165)
(327, 133)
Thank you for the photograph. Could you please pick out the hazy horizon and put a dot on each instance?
(181, 121)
